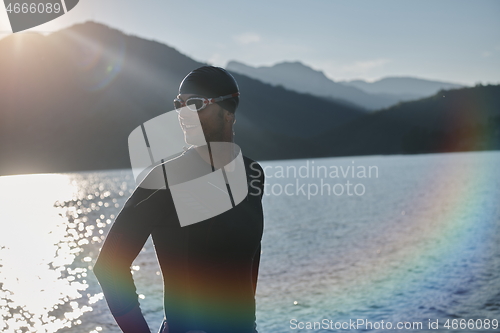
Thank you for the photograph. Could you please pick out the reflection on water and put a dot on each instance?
(50, 229)
(421, 244)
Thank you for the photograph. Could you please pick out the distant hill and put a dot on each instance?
(411, 87)
(451, 120)
(69, 100)
(371, 96)
(298, 77)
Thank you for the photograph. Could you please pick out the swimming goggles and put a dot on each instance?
(199, 103)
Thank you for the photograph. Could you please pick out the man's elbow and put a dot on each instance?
(100, 269)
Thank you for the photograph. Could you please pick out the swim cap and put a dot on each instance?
(211, 82)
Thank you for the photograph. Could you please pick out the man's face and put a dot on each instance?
(211, 119)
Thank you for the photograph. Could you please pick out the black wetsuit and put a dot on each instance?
(209, 268)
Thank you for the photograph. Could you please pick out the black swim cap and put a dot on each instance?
(211, 82)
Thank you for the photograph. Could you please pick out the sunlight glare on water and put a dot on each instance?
(37, 246)
(421, 244)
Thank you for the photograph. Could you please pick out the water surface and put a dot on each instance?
(417, 241)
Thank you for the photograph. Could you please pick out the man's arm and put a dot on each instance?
(125, 240)
(256, 258)
(255, 268)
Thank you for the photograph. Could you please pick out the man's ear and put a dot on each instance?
(229, 117)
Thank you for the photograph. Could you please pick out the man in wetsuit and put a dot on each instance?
(209, 268)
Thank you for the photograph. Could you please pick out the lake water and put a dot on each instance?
(391, 239)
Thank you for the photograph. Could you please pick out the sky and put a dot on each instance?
(448, 40)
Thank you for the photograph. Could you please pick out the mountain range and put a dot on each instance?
(368, 95)
(69, 100)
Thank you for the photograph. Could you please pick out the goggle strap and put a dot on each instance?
(219, 99)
